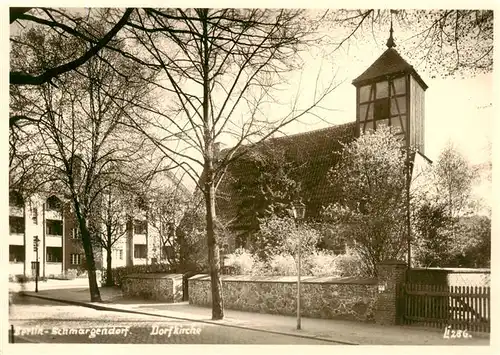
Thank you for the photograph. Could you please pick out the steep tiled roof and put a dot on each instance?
(390, 62)
(312, 152)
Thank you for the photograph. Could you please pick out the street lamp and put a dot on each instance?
(299, 211)
(36, 242)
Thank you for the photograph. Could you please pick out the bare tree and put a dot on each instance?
(109, 222)
(447, 42)
(167, 202)
(221, 70)
(82, 139)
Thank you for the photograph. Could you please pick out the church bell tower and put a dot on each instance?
(391, 93)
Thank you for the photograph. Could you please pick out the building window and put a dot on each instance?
(382, 89)
(75, 233)
(140, 227)
(399, 85)
(381, 109)
(54, 254)
(140, 251)
(16, 225)
(54, 227)
(118, 254)
(16, 199)
(76, 259)
(365, 93)
(16, 253)
(53, 204)
(34, 215)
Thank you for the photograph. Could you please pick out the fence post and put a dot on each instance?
(390, 277)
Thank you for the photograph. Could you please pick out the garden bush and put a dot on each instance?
(282, 264)
(241, 261)
(350, 264)
(281, 236)
(322, 263)
(317, 263)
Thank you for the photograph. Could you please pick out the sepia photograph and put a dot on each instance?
(267, 176)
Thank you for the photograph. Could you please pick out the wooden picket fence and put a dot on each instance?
(462, 307)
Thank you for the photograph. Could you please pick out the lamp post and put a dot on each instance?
(35, 246)
(299, 211)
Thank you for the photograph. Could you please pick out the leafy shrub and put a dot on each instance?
(350, 264)
(323, 263)
(241, 261)
(282, 264)
(282, 236)
(259, 268)
(72, 273)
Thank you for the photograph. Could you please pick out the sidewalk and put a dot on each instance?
(344, 332)
(49, 284)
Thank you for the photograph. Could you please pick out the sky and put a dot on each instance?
(457, 110)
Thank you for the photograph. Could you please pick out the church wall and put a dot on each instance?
(417, 110)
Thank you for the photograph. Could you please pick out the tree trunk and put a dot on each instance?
(95, 295)
(213, 255)
(213, 248)
(109, 271)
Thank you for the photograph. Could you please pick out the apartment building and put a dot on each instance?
(50, 219)
(141, 244)
(41, 218)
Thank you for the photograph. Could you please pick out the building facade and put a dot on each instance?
(141, 244)
(389, 93)
(52, 221)
(39, 218)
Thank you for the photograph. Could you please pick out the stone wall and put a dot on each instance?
(157, 287)
(321, 297)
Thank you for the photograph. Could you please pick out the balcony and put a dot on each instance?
(53, 214)
(16, 211)
(139, 239)
(53, 240)
(16, 239)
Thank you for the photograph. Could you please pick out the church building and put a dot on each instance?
(388, 93)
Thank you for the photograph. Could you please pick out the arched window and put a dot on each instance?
(16, 199)
(53, 203)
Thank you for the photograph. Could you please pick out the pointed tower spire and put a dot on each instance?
(390, 41)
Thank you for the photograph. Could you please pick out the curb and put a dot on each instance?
(107, 308)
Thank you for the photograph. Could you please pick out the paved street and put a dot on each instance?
(42, 321)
